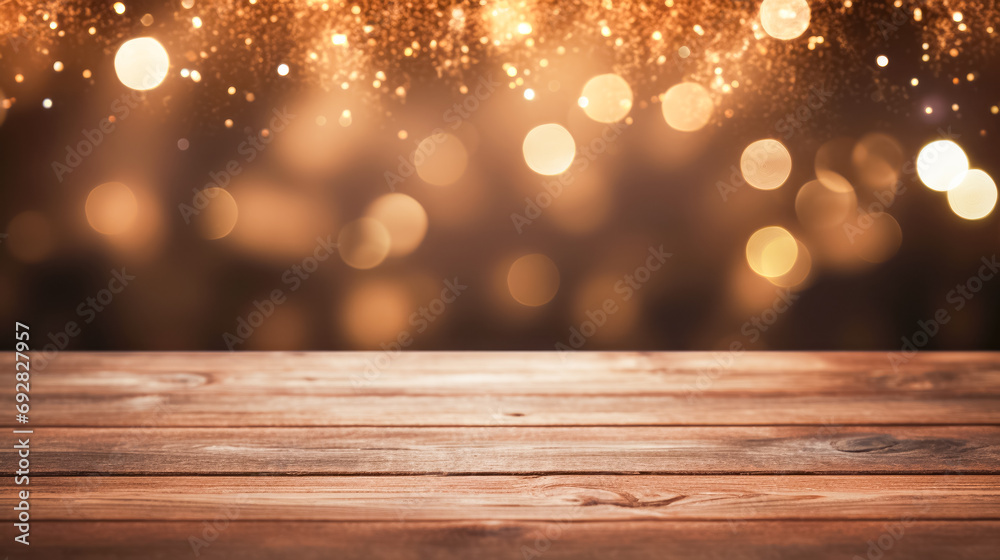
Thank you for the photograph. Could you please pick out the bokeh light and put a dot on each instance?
(833, 165)
(375, 312)
(784, 19)
(218, 218)
(533, 280)
(277, 222)
(766, 164)
(819, 206)
(608, 98)
(142, 64)
(375, 111)
(879, 239)
(404, 218)
(799, 273)
(941, 164)
(973, 197)
(30, 237)
(111, 208)
(440, 159)
(772, 251)
(549, 149)
(364, 243)
(878, 160)
(687, 106)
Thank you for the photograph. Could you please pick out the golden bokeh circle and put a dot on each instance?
(142, 63)
(818, 206)
(220, 214)
(404, 218)
(608, 98)
(440, 159)
(766, 164)
(364, 243)
(687, 106)
(974, 197)
(533, 280)
(772, 251)
(799, 272)
(549, 149)
(879, 239)
(942, 164)
(111, 208)
(784, 19)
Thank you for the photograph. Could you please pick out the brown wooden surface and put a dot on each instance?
(521, 450)
(511, 455)
(508, 498)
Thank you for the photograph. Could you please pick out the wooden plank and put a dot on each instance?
(522, 373)
(486, 389)
(509, 498)
(515, 450)
(213, 409)
(550, 539)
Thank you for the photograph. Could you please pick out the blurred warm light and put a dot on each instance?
(376, 312)
(784, 19)
(364, 243)
(687, 106)
(111, 208)
(533, 280)
(549, 149)
(766, 164)
(799, 272)
(878, 159)
(309, 149)
(404, 218)
(440, 159)
(276, 221)
(504, 20)
(819, 206)
(772, 251)
(941, 164)
(142, 63)
(30, 237)
(974, 196)
(609, 98)
(219, 216)
(833, 164)
(583, 206)
(3, 107)
(748, 292)
(880, 237)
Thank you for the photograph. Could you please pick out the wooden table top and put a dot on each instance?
(517, 456)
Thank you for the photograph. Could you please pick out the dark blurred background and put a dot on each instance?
(363, 146)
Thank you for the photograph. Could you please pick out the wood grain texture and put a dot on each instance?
(310, 409)
(217, 539)
(574, 498)
(505, 450)
(512, 455)
(518, 389)
(539, 373)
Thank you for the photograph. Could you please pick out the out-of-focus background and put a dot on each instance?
(500, 175)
